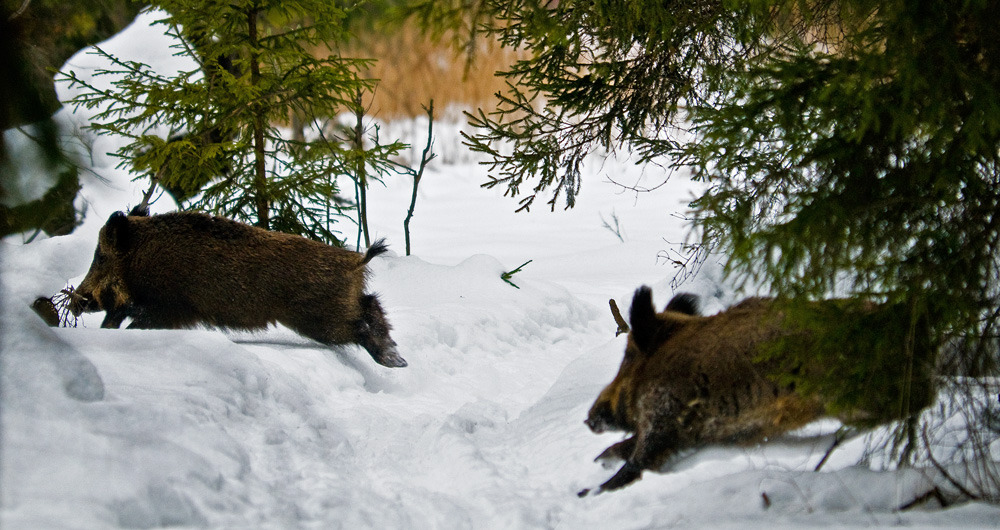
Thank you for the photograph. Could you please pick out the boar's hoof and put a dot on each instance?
(390, 359)
(628, 474)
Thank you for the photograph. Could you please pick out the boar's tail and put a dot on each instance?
(377, 248)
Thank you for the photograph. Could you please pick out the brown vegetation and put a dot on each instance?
(414, 68)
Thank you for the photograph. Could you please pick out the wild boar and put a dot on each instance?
(182, 269)
(687, 381)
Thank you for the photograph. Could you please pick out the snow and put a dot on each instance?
(484, 429)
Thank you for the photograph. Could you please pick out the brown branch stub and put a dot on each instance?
(55, 310)
(46, 310)
(143, 207)
(622, 325)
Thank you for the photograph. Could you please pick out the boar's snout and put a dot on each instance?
(596, 426)
(598, 418)
(606, 413)
(82, 303)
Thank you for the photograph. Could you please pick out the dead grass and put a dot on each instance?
(412, 69)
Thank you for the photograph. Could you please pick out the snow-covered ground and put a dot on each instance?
(484, 429)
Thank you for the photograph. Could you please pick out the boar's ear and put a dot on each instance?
(685, 303)
(642, 318)
(117, 231)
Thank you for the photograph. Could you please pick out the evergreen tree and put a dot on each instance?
(211, 134)
(843, 143)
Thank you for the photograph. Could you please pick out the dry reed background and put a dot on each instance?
(413, 68)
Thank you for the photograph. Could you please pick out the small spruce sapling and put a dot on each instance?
(506, 276)
(211, 131)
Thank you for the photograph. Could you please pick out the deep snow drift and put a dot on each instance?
(484, 429)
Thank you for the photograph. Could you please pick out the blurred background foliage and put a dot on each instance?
(36, 38)
(411, 68)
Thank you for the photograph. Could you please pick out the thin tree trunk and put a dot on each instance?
(359, 145)
(260, 169)
(426, 157)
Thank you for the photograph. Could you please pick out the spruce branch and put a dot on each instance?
(506, 276)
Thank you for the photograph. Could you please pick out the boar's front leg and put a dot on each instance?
(651, 450)
(650, 453)
(627, 474)
(619, 451)
(114, 317)
(140, 318)
(656, 440)
(113, 320)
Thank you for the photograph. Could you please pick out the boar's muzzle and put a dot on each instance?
(595, 425)
(82, 303)
(601, 418)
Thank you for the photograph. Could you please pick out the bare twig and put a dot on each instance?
(688, 262)
(425, 157)
(637, 189)
(143, 206)
(61, 302)
(616, 229)
(934, 493)
(838, 437)
(944, 472)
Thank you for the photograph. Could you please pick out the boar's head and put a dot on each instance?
(613, 408)
(104, 289)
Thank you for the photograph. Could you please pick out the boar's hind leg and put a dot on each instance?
(372, 333)
(370, 330)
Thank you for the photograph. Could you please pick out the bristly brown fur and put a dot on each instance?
(182, 269)
(689, 380)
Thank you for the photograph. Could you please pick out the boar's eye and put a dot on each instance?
(99, 258)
